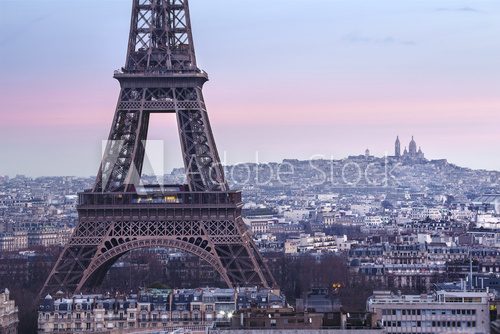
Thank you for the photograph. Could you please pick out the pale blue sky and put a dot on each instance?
(289, 78)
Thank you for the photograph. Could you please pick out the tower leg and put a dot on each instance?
(99, 240)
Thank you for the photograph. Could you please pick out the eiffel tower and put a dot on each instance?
(119, 215)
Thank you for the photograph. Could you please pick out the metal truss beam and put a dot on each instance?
(160, 76)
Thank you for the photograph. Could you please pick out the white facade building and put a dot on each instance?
(296, 215)
(488, 221)
(317, 243)
(8, 314)
(442, 312)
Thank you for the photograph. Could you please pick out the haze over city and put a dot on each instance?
(335, 79)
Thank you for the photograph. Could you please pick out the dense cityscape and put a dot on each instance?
(401, 243)
(342, 252)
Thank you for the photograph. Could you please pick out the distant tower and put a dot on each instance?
(413, 147)
(420, 154)
(397, 148)
(367, 153)
(405, 153)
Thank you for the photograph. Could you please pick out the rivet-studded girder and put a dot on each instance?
(124, 154)
(217, 236)
(160, 76)
(160, 37)
(204, 218)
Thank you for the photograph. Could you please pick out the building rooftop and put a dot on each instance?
(438, 297)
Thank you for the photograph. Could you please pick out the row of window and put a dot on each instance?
(68, 316)
(438, 324)
(121, 316)
(85, 307)
(427, 312)
(462, 300)
(88, 326)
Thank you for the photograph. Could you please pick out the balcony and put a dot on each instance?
(160, 199)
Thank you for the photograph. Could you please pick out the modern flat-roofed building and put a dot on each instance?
(442, 312)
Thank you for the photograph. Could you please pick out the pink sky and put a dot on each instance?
(367, 77)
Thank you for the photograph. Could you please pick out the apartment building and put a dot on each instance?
(8, 314)
(196, 309)
(442, 312)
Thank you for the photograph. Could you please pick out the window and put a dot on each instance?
(472, 300)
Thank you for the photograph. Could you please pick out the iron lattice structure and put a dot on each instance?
(202, 217)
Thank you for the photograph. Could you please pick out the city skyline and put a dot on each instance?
(438, 82)
(154, 165)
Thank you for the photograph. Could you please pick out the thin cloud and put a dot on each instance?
(387, 40)
(10, 37)
(460, 9)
